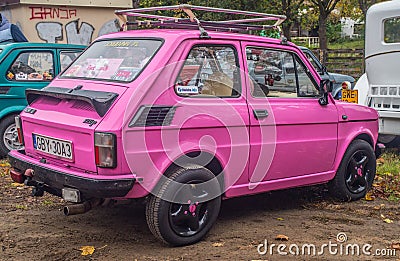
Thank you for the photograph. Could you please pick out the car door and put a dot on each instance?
(25, 68)
(291, 134)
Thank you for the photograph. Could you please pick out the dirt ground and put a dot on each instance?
(36, 229)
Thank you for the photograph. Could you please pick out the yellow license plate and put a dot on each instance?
(350, 95)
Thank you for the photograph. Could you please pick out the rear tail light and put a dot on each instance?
(105, 149)
(19, 130)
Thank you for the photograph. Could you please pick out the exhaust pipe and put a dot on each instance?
(81, 208)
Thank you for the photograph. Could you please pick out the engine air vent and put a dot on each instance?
(155, 115)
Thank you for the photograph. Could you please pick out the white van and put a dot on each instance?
(379, 87)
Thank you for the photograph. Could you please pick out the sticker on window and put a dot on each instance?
(21, 76)
(187, 89)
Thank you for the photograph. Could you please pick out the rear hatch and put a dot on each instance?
(59, 123)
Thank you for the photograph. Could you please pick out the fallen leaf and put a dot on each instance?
(395, 246)
(87, 250)
(22, 207)
(282, 237)
(280, 219)
(377, 207)
(218, 244)
(369, 197)
(15, 184)
(387, 220)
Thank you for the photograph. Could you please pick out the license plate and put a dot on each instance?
(53, 146)
(350, 95)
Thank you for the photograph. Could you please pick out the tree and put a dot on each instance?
(365, 4)
(325, 8)
(290, 8)
(349, 8)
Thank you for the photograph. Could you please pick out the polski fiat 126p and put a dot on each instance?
(175, 116)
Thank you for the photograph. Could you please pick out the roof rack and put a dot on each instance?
(240, 25)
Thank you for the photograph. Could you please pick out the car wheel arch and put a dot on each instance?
(365, 135)
(16, 110)
(214, 164)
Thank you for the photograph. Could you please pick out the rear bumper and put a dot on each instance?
(53, 180)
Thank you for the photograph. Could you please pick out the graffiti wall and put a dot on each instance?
(63, 24)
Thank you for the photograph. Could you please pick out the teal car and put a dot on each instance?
(22, 66)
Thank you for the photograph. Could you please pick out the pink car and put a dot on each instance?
(186, 118)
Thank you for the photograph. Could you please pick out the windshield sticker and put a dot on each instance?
(125, 74)
(100, 68)
(122, 44)
(35, 77)
(21, 76)
(10, 75)
(187, 89)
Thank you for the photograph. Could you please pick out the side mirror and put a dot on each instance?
(324, 87)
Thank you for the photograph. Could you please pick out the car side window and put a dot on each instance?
(66, 57)
(32, 66)
(306, 85)
(209, 71)
(272, 73)
(277, 73)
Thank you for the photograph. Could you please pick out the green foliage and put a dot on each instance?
(4, 168)
(347, 44)
(333, 31)
(270, 33)
(304, 12)
(349, 8)
(387, 180)
(233, 4)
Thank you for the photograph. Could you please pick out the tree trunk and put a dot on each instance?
(286, 28)
(131, 19)
(323, 41)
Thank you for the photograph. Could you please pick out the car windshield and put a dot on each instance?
(113, 60)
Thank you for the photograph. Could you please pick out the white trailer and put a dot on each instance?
(379, 87)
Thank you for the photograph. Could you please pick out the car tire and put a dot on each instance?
(390, 141)
(8, 135)
(356, 172)
(184, 208)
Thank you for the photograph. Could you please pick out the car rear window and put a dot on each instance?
(113, 60)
